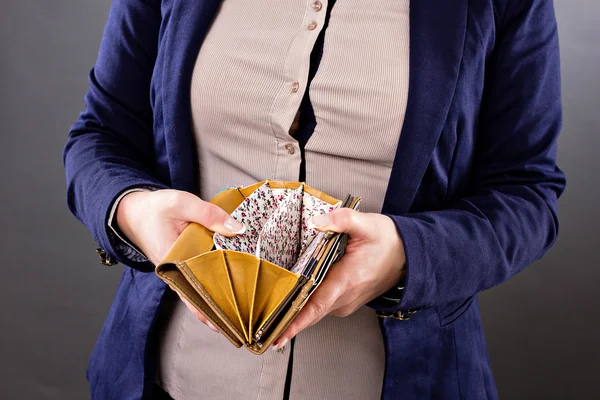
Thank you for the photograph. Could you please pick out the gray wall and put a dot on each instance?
(542, 326)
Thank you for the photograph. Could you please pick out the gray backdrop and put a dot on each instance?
(542, 327)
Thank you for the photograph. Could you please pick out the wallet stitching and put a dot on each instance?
(208, 299)
(215, 321)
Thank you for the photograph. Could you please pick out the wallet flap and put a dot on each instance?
(288, 317)
(273, 285)
(172, 275)
(243, 271)
(208, 272)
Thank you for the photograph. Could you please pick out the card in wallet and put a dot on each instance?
(251, 286)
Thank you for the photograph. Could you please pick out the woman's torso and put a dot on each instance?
(247, 86)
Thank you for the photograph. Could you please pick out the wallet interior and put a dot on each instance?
(250, 299)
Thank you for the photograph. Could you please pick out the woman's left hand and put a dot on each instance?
(372, 264)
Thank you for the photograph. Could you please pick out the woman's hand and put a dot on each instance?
(154, 220)
(372, 264)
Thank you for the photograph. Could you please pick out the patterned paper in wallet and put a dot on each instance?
(251, 286)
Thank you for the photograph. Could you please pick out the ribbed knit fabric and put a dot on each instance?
(247, 86)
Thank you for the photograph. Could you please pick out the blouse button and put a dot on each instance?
(312, 26)
(289, 148)
(295, 86)
(317, 6)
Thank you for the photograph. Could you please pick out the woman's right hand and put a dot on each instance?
(153, 220)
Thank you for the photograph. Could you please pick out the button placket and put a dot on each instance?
(288, 99)
(313, 21)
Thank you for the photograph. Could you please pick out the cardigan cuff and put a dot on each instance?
(118, 239)
(415, 286)
(109, 243)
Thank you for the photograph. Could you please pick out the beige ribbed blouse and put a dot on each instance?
(247, 85)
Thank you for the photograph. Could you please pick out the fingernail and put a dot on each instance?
(320, 220)
(234, 226)
(211, 326)
(279, 347)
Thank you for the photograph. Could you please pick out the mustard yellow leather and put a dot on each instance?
(243, 272)
(174, 276)
(274, 283)
(287, 319)
(237, 292)
(210, 270)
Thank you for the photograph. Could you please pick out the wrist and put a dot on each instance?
(125, 209)
(398, 258)
(398, 255)
(394, 294)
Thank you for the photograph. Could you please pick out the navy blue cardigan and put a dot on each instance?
(473, 188)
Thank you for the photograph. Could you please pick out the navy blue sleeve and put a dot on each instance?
(509, 219)
(110, 146)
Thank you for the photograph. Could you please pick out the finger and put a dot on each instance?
(159, 245)
(314, 310)
(344, 310)
(194, 311)
(198, 314)
(342, 220)
(337, 277)
(193, 209)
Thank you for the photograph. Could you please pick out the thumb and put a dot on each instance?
(342, 220)
(210, 216)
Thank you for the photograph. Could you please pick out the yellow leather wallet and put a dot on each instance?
(253, 285)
